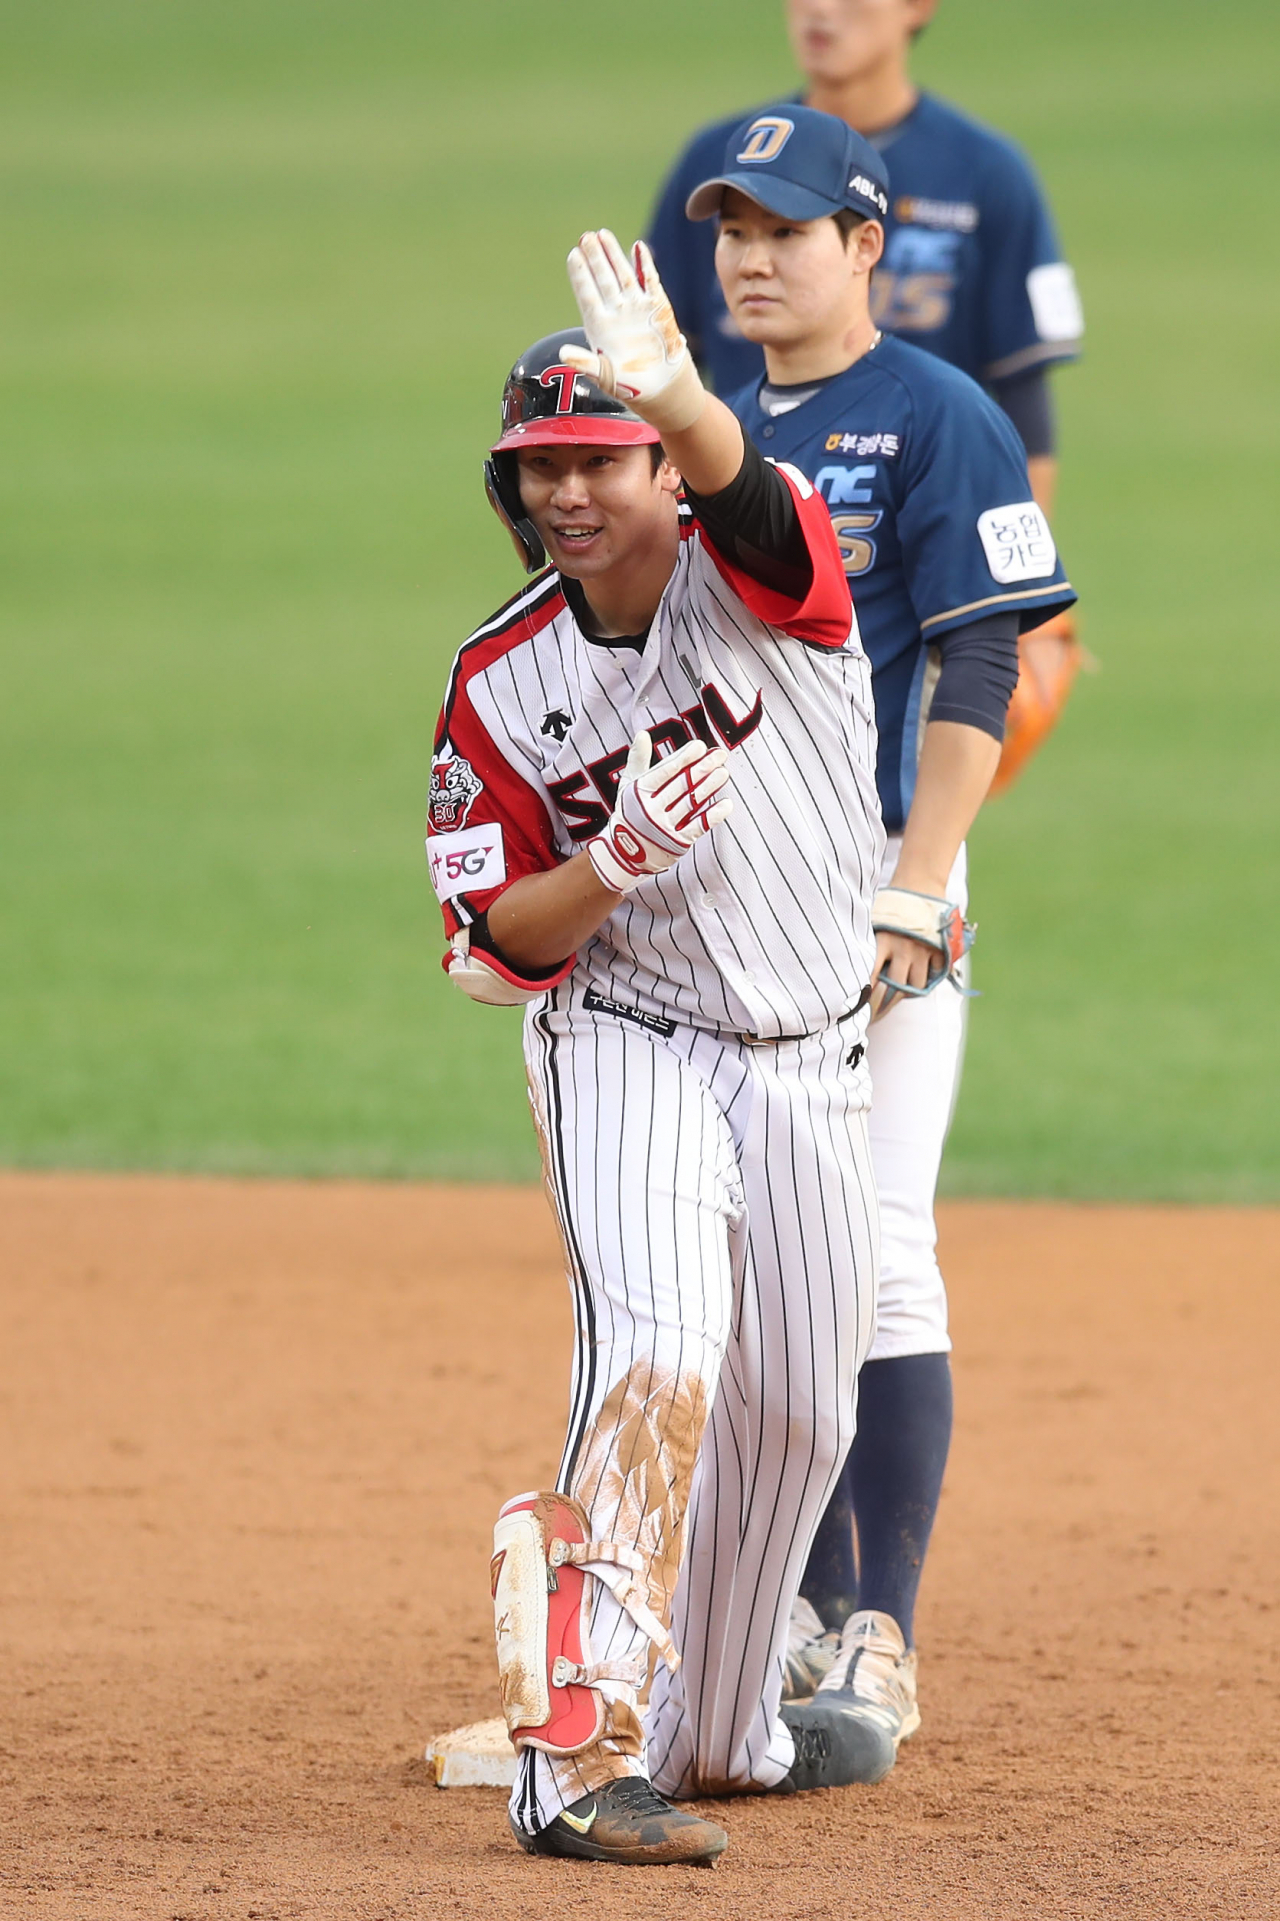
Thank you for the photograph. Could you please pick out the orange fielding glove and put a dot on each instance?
(1049, 658)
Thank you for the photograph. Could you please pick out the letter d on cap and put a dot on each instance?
(766, 138)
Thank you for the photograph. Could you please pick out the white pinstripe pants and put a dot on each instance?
(720, 1227)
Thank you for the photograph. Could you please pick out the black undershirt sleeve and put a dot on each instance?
(754, 523)
(1027, 399)
(979, 672)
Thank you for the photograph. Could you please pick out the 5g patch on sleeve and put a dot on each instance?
(1017, 542)
(467, 862)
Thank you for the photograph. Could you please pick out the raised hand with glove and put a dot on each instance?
(639, 354)
(638, 351)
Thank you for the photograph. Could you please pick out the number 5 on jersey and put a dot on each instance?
(857, 553)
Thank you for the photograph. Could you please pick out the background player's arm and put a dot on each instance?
(957, 764)
(959, 756)
(1033, 320)
(1042, 471)
(1027, 399)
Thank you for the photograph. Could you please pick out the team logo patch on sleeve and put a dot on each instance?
(455, 786)
(467, 862)
(1017, 543)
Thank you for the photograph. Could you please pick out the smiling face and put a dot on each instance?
(791, 281)
(597, 508)
(836, 42)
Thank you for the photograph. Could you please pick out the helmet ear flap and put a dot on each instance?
(503, 489)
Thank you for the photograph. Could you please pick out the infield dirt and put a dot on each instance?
(255, 1438)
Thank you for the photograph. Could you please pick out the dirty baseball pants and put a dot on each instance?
(721, 1238)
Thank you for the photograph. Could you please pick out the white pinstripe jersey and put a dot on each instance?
(764, 927)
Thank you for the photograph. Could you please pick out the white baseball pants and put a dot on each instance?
(721, 1236)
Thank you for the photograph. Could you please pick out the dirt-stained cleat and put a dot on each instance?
(875, 1674)
(836, 1746)
(628, 1822)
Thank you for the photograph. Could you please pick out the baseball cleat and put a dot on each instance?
(810, 1652)
(836, 1746)
(873, 1677)
(628, 1822)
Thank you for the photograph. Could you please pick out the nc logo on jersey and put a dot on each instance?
(455, 786)
(766, 138)
(913, 250)
(844, 486)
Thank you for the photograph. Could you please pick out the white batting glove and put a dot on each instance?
(640, 354)
(660, 811)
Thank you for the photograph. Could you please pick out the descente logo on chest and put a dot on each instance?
(710, 719)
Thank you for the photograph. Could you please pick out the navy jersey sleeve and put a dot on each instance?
(1031, 314)
(974, 542)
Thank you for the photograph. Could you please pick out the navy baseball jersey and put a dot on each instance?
(972, 270)
(926, 483)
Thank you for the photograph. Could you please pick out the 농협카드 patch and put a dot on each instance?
(1017, 542)
(467, 862)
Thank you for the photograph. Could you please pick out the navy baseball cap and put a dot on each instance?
(798, 163)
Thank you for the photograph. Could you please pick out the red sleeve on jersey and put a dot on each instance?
(486, 827)
(824, 617)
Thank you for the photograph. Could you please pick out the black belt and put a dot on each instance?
(660, 1024)
(774, 1040)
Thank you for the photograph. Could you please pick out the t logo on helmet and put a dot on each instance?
(566, 376)
(767, 137)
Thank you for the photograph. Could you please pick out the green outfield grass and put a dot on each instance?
(265, 265)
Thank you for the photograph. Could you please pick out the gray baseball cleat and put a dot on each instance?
(836, 1746)
(628, 1822)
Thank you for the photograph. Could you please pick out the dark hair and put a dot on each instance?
(656, 455)
(849, 220)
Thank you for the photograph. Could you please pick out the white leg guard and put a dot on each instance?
(542, 1607)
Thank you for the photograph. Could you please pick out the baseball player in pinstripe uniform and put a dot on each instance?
(948, 558)
(653, 820)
